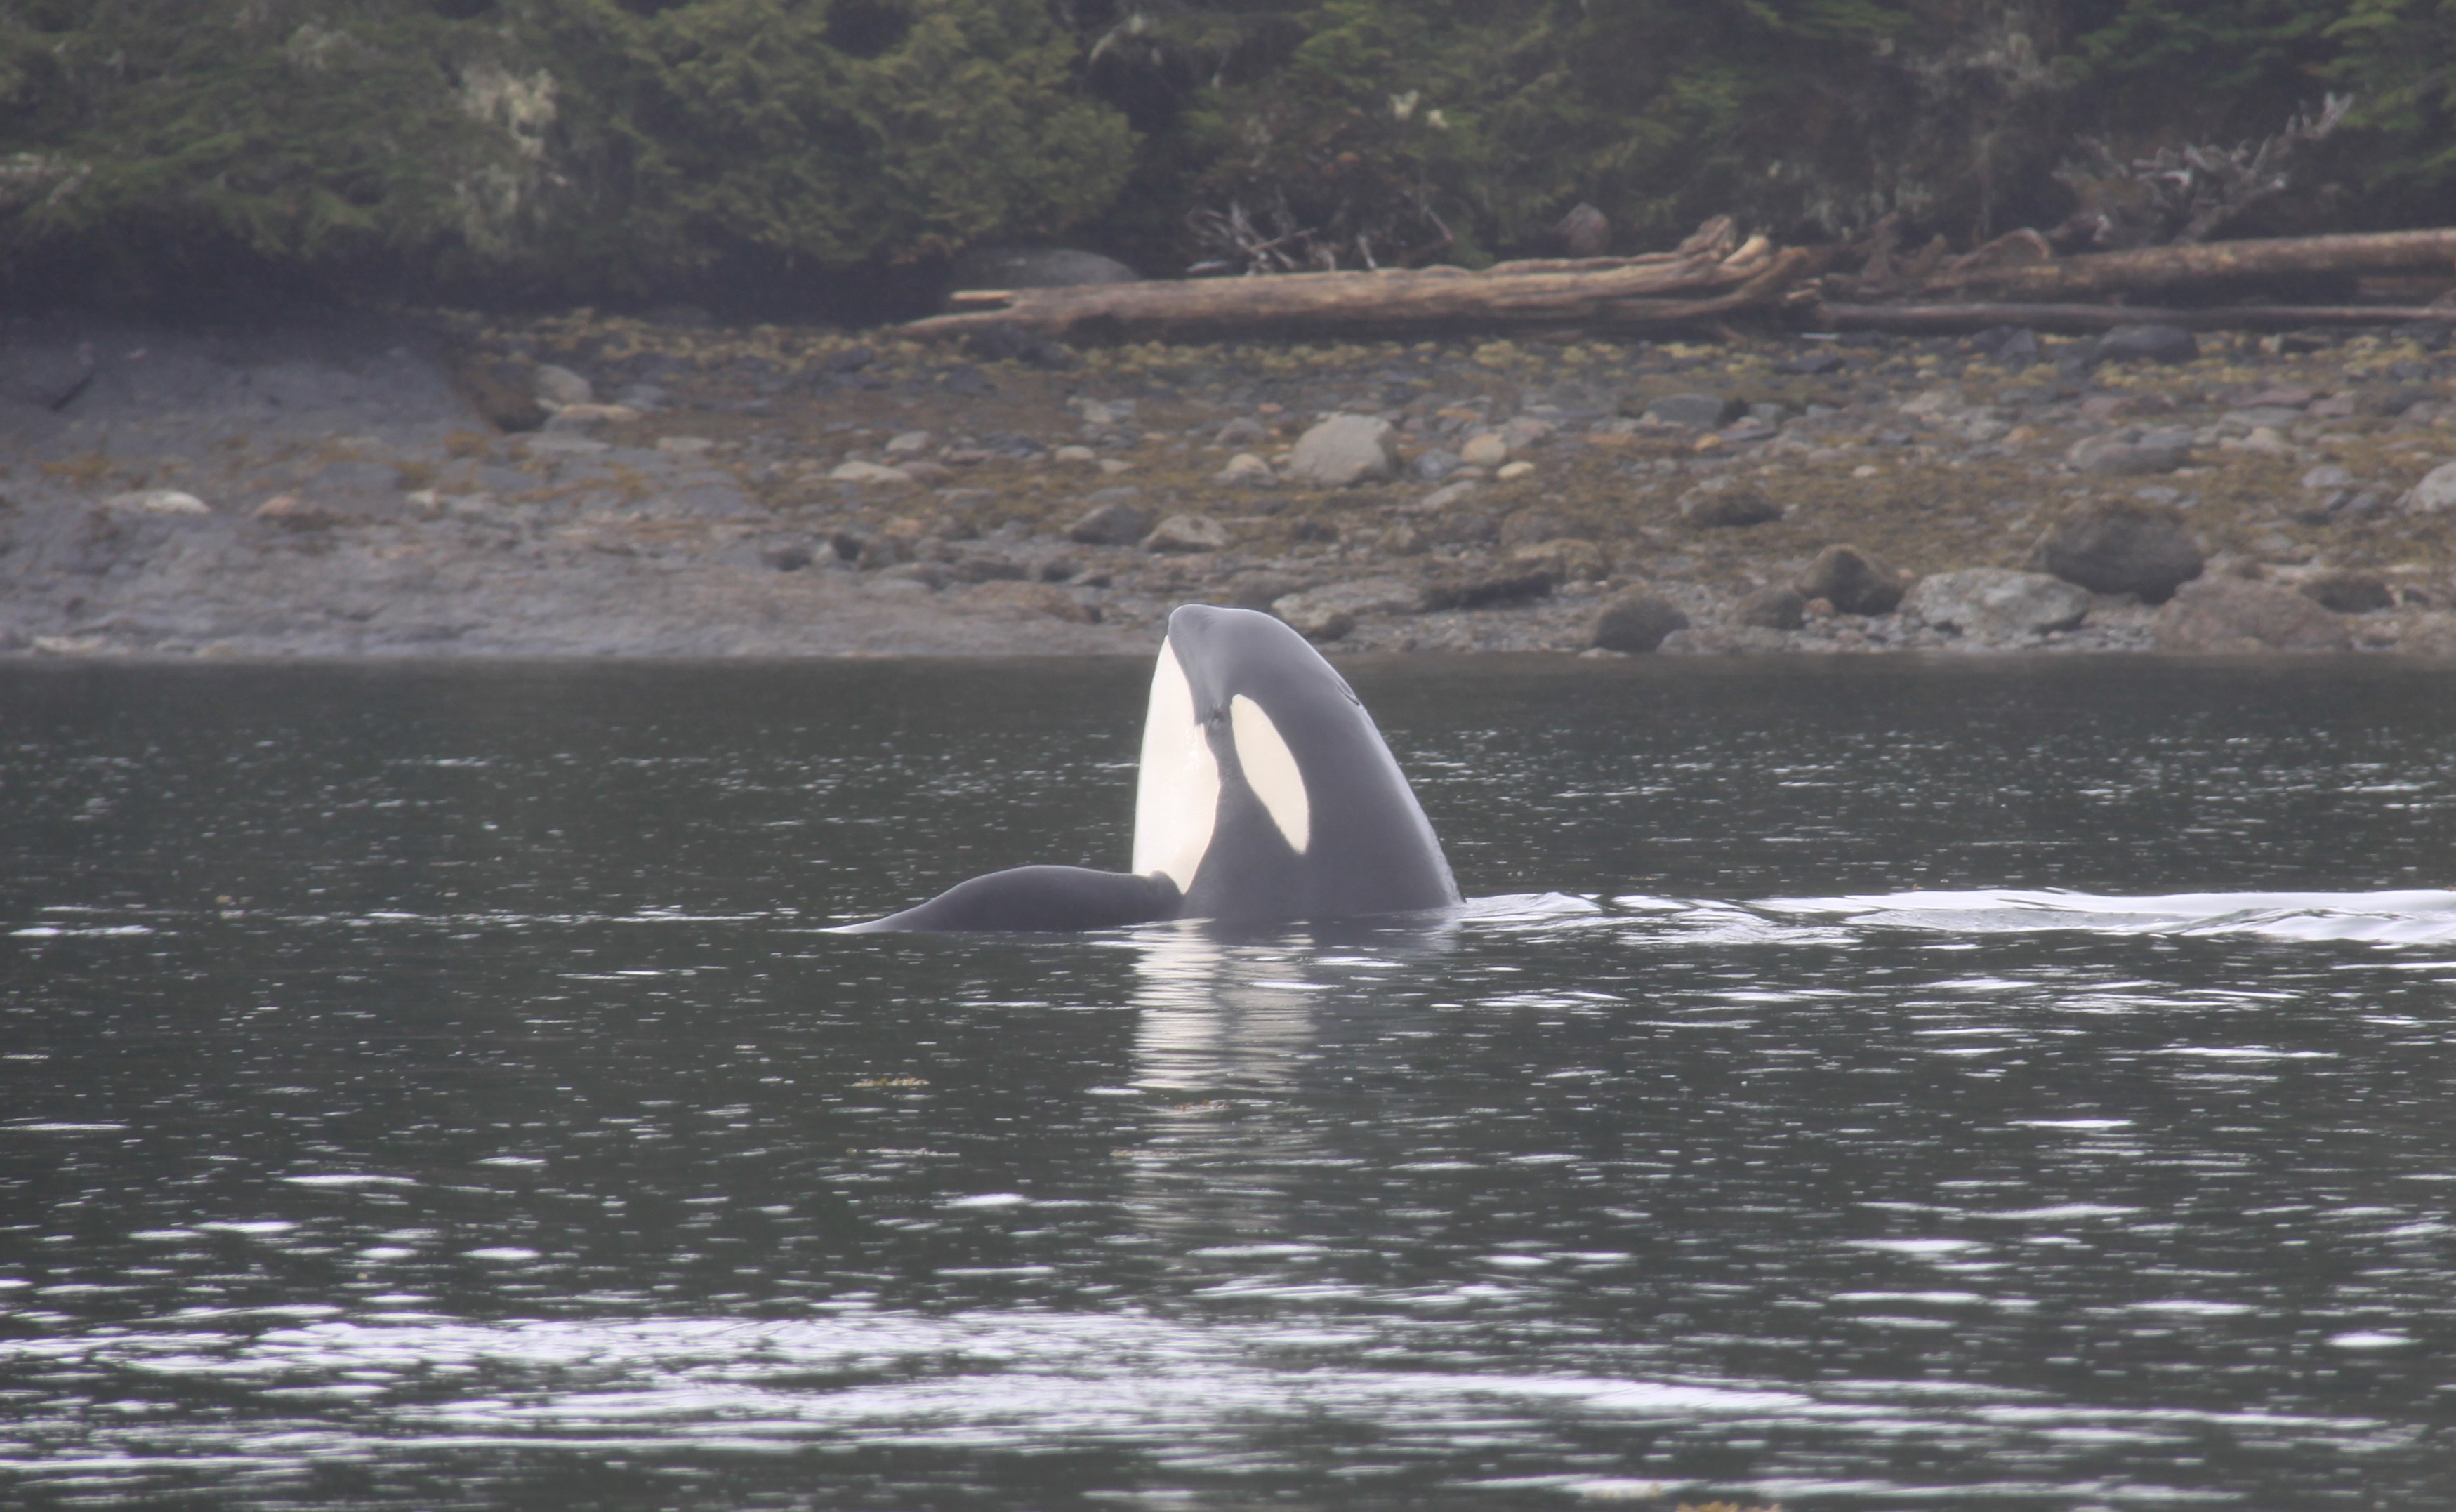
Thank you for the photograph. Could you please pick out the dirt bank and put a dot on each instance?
(345, 485)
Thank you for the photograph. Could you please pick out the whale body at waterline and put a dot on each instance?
(1265, 795)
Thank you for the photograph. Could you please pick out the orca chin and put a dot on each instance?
(1265, 796)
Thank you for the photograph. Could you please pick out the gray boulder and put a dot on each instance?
(2147, 343)
(1317, 617)
(1187, 532)
(1486, 586)
(2012, 345)
(1259, 588)
(2126, 545)
(1995, 604)
(1771, 610)
(1527, 527)
(1368, 596)
(2126, 453)
(1723, 503)
(1703, 411)
(2348, 592)
(2432, 634)
(2435, 493)
(1850, 580)
(558, 386)
(1113, 520)
(2237, 615)
(1637, 621)
(47, 374)
(1346, 450)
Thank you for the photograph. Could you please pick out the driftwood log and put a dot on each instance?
(2208, 267)
(1713, 274)
(1946, 319)
(2013, 281)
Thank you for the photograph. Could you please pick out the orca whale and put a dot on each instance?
(1265, 796)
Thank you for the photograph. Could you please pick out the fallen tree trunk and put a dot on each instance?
(2204, 266)
(2015, 280)
(1706, 277)
(1948, 320)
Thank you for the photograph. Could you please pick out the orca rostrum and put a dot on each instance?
(1265, 796)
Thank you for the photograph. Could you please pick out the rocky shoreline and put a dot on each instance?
(434, 484)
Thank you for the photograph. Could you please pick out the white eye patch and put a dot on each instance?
(1271, 772)
(1177, 794)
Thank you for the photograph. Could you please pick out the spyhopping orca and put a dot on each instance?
(1265, 796)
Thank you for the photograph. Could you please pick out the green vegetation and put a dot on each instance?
(589, 147)
(570, 146)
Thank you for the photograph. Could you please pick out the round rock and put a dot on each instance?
(1186, 533)
(1722, 503)
(1852, 581)
(1702, 411)
(2126, 545)
(2123, 453)
(2147, 343)
(558, 386)
(1016, 595)
(2236, 615)
(1486, 449)
(158, 501)
(1528, 527)
(1997, 604)
(2435, 493)
(1771, 610)
(1568, 560)
(1346, 450)
(2348, 592)
(1637, 621)
(1111, 521)
(1314, 616)
(291, 512)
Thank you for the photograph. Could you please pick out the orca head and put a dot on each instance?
(1265, 792)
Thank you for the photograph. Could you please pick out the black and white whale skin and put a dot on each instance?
(1265, 796)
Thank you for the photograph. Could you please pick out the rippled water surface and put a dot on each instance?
(1859, 1087)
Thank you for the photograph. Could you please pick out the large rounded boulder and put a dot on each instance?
(2126, 545)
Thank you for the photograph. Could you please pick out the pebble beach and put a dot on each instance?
(435, 483)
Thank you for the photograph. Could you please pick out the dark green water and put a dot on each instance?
(1870, 1086)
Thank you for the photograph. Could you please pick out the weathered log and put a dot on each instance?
(1624, 295)
(2205, 266)
(1948, 320)
(2011, 282)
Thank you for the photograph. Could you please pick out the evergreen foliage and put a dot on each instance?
(578, 145)
(583, 147)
